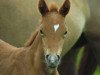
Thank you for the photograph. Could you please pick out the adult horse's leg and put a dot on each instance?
(68, 64)
(92, 32)
(92, 52)
(88, 62)
(93, 28)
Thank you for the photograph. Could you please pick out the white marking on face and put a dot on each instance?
(56, 27)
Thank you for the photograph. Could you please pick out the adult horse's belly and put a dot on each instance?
(19, 18)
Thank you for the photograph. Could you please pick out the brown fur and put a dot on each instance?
(23, 61)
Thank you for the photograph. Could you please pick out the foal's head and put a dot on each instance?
(53, 31)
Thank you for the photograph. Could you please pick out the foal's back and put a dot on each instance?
(14, 61)
(5, 49)
(5, 46)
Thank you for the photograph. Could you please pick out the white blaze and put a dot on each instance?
(56, 27)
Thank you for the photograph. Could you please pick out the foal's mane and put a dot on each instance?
(32, 38)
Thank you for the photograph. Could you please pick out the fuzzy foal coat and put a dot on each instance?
(22, 61)
(14, 61)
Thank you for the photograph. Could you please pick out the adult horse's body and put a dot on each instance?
(92, 35)
(26, 13)
(27, 17)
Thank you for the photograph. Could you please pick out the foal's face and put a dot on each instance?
(53, 32)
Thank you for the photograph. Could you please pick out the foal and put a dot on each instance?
(41, 54)
(28, 60)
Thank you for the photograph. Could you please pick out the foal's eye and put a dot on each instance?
(41, 32)
(65, 34)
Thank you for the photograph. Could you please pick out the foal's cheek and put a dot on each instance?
(50, 48)
(44, 43)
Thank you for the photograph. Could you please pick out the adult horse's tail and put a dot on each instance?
(88, 62)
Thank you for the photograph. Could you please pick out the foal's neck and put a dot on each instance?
(37, 54)
(40, 65)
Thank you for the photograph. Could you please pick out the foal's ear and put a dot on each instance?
(65, 8)
(43, 8)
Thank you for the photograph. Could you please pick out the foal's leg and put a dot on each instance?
(68, 64)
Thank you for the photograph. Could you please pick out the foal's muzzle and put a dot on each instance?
(52, 61)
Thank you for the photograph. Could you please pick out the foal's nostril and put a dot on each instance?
(52, 61)
(47, 56)
(52, 58)
(58, 57)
